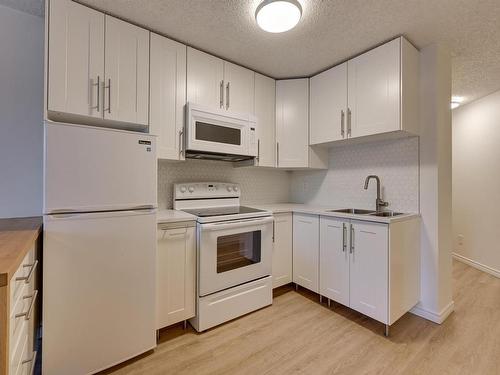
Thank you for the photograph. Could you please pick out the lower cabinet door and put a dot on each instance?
(334, 259)
(176, 275)
(282, 250)
(369, 269)
(306, 251)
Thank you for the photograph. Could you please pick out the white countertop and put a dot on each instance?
(173, 216)
(277, 208)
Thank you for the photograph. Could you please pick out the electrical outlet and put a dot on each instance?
(461, 240)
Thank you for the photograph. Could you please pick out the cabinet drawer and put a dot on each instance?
(18, 347)
(20, 318)
(18, 281)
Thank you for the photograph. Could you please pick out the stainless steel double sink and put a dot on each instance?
(359, 211)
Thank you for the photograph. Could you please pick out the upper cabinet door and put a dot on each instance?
(265, 111)
(374, 90)
(369, 257)
(205, 79)
(167, 95)
(292, 123)
(328, 105)
(76, 63)
(126, 94)
(239, 88)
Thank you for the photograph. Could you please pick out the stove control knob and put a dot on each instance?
(191, 189)
(235, 188)
(228, 187)
(183, 189)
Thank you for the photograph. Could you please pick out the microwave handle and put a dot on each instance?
(236, 224)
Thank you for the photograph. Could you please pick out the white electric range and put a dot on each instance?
(234, 252)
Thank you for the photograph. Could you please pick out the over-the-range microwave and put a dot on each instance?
(219, 134)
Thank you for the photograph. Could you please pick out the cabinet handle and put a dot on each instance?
(351, 240)
(109, 95)
(344, 236)
(277, 154)
(342, 125)
(258, 150)
(27, 314)
(27, 279)
(32, 360)
(181, 149)
(221, 94)
(274, 229)
(348, 122)
(227, 94)
(98, 86)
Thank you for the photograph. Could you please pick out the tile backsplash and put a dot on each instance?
(257, 185)
(396, 162)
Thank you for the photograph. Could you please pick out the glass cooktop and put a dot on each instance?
(222, 211)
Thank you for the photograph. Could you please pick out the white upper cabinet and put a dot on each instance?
(167, 96)
(205, 79)
(265, 111)
(334, 259)
(383, 90)
(126, 94)
(282, 249)
(369, 259)
(306, 251)
(328, 105)
(76, 61)
(239, 88)
(292, 123)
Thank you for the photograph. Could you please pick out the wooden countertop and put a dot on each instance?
(17, 237)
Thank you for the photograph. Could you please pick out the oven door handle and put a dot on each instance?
(236, 223)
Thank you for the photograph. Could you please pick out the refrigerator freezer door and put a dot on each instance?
(97, 169)
(98, 289)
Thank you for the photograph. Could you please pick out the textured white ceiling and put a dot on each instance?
(330, 31)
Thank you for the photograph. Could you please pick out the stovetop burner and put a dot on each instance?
(222, 211)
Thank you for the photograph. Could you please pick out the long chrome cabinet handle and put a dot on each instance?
(181, 149)
(221, 94)
(109, 95)
(98, 86)
(348, 122)
(351, 240)
(344, 237)
(27, 314)
(31, 272)
(258, 149)
(342, 125)
(228, 90)
(277, 154)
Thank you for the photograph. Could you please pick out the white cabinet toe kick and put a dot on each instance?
(231, 303)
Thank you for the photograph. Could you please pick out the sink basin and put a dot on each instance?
(357, 211)
(387, 214)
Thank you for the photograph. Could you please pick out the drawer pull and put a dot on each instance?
(27, 314)
(28, 278)
(33, 361)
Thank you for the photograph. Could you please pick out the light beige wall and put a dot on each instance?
(476, 183)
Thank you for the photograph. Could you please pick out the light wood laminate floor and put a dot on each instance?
(297, 335)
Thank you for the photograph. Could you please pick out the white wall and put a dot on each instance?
(476, 182)
(21, 112)
(342, 185)
(257, 185)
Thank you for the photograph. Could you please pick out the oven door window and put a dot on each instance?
(238, 250)
(217, 133)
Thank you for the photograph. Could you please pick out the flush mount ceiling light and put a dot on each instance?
(456, 101)
(277, 16)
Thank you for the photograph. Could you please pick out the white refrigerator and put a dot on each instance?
(99, 255)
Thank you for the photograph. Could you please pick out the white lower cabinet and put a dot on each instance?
(306, 251)
(176, 273)
(370, 267)
(282, 249)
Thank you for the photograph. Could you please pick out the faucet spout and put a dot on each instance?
(379, 203)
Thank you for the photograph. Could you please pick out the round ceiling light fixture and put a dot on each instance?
(277, 16)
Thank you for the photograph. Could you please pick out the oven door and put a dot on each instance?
(216, 131)
(233, 252)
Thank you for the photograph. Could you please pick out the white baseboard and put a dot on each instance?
(433, 316)
(477, 265)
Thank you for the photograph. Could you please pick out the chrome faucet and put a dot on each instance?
(379, 203)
